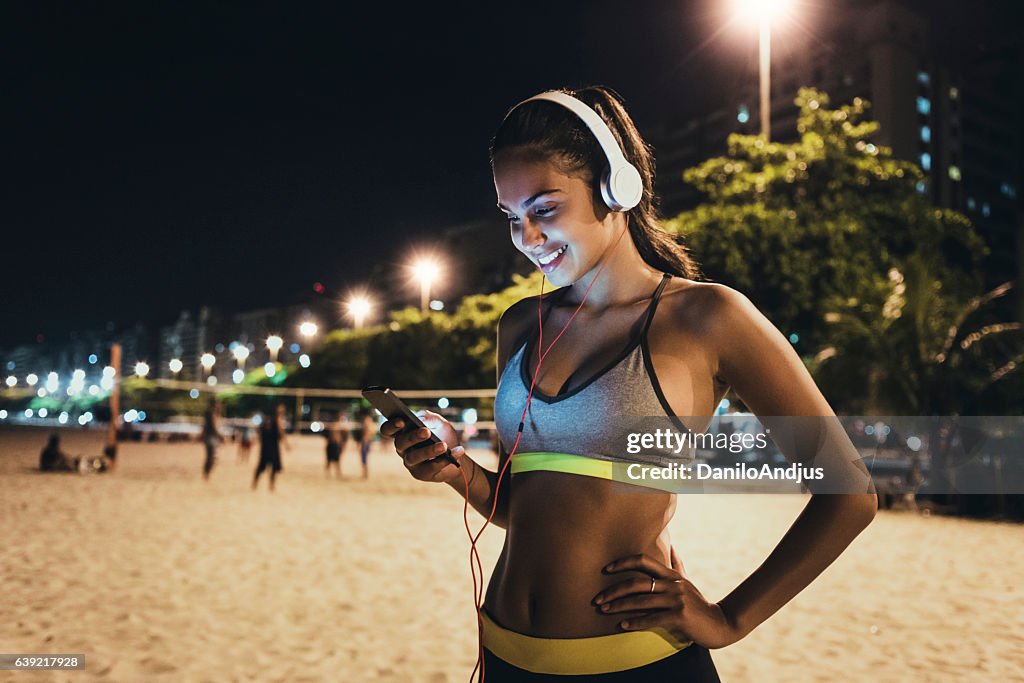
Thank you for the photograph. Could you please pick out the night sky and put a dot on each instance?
(160, 158)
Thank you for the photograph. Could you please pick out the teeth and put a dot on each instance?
(544, 260)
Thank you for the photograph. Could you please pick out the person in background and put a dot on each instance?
(211, 436)
(367, 429)
(271, 438)
(244, 443)
(337, 436)
(53, 459)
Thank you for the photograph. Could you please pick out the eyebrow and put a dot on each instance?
(531, 199)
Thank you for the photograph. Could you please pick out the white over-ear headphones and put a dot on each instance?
(621, 185)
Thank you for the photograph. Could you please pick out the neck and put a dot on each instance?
(626, 279)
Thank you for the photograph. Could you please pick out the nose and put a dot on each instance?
(531, 236)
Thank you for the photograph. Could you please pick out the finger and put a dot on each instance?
(665, 619)
(434, 470)
(640, 585)
(650, 601)
(392, 427)
(643, 563)
(411, 438)
(415, 456)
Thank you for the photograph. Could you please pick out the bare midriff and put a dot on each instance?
(563, 529)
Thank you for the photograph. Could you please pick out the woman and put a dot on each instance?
(211, 436)
(587, 581)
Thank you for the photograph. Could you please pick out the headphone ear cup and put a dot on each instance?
(623, 186)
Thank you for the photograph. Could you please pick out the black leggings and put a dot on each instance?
(692, 664)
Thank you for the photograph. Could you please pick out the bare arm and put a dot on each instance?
(768, 375)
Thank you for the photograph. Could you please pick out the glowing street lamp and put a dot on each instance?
(764, 12)
(274, 344)
(12, 381)
(308, 329)
(31, 379)
(426, 270)
(358, 307)
(241, 352)
(207, 360)
(141, 369)
(176, 366)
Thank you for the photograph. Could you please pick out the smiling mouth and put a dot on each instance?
(548, 258)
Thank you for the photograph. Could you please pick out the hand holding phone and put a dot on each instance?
(393, 408)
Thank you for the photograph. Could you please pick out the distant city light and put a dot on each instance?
(43, 412)
(82, 420)
(41, 392)
(294, 348)
(142, 415)
(761, 10)
(304, 360)
(219, 348)
(94, 390)
(12, 380)
(109, 371)
(212, 380)
(926, 134)
(131, 415)
(3, 414)
(274, 344)
(924, 106)
(270, 369)
(238, 375)
(954, 172)
(29, 412)
(744, 114)
(175, 365)
(794, 338)
(93, 359)
(437, 305)
(914, 443)
(926, 161)
(442, 403)
(315, 426)
(308, 328)
(52, 382)
(241, 353)
(31, 379)
(193, 393)
(107, 383)
(141, 369)
(62, 418)
(469, 416)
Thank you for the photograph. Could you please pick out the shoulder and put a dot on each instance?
(517, 319)
(711, 308)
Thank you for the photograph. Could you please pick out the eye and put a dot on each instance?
(513, 219)
(542, 211)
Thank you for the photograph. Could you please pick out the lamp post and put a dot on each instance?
(764, 12)
(358, 307)
(241, 352)
(426, 270)
(274, 344)
(207, 360)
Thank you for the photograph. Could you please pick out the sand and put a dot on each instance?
(157, 576)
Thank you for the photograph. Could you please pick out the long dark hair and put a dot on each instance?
(554, 131)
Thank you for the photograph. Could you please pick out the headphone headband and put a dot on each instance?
(621, 185)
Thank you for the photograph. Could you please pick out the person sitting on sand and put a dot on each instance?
(53, 459)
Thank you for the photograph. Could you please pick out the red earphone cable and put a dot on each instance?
(475, 564)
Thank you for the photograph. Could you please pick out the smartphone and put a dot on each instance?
(392, 407)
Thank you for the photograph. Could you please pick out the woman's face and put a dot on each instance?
(553, 217)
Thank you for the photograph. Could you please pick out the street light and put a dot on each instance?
(764, 12)
(176, 365)
(241, 352)
(426, 270)
(358, 307)
(141, 369)
(308, 329)
(274, 344)
(207, 360)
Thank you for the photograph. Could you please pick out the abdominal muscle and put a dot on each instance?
(563, 529)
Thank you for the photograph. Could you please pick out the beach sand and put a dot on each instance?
(156, 575)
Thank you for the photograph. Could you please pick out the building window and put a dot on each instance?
(926, 161)
(954, 173)
(926, 134)
(986, 210)
(971, 204)
(923, 78)
(924, 105)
